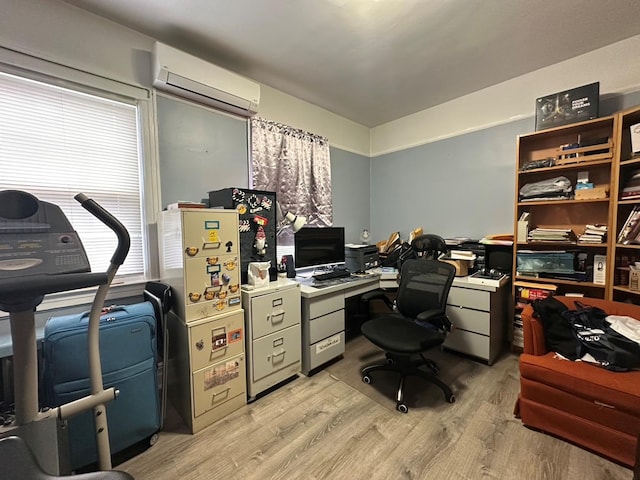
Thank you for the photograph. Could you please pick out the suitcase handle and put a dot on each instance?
(105, 310)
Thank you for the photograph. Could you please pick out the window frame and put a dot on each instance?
(34, 68)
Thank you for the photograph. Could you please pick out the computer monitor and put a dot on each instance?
(315, 247)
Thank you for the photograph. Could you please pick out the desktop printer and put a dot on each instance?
(358, 258)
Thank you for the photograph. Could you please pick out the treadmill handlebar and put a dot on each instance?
(124, 241)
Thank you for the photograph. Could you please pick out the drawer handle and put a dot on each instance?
(218, 352)
(215, 394)
(278, 356)
(276, 318)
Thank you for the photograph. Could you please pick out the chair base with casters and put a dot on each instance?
(19, 464)
(402, 360)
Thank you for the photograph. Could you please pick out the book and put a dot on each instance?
(630, 223)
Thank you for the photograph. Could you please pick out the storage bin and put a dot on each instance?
(548, 262)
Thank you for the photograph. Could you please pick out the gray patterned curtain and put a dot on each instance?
(296, 165)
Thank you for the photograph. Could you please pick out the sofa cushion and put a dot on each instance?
(619, 390)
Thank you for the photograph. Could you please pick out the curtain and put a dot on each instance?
(296, 165)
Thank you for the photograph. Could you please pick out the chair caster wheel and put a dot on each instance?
(366, 379)
(402, 407)
(451, 398)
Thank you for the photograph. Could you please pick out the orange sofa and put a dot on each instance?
(585, 404)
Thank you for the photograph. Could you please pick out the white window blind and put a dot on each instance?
(56, 142)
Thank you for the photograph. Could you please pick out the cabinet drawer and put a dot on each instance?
(275, 352)
(325, 350)
(467, 319)
(325, 304)
(275, 311)
(212, 286)
(467, 297)
(207, 232)
(325, 326)
(214, 385)
(469, 343)
(214, 339)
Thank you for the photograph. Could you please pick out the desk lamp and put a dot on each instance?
(296, 221)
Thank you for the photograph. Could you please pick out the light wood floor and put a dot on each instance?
(325, 427)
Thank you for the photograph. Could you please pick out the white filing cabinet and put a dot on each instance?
(199, 258)
(272, 325)
(478, 315)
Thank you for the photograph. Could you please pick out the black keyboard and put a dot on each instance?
(331, 275)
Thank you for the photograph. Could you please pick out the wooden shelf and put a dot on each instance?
(572, 166)
(620, 288)
(630, 161)
(563, 246)
(631, 247)
(558, 281)
(564, 202)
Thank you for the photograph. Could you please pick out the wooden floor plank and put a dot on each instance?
(333, 426)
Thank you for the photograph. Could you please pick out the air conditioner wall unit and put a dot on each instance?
(188, 76)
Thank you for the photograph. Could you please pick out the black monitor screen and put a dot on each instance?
(319, 246)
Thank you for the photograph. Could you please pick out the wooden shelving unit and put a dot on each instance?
(566, 146)
(626, 164)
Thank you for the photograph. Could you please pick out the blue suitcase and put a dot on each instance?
(128, 352)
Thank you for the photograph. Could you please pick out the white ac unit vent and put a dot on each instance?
(191, 77)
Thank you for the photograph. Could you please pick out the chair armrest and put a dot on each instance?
(377, 295)
(430, 316)
(534, 343)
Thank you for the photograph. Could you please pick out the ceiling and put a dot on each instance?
(373, 61)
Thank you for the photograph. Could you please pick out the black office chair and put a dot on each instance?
(429, 246)
(18, 463)
(422, 324)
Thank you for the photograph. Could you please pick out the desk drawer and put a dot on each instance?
(214, 339)
(360, 289)
(325, 326)
(275, 311)
(467, 297)
(467, 319)
(275, 352)
(326, 304)
(217, 384)
(468, 343)
(325, 350)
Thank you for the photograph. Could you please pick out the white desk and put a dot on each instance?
(478, 313)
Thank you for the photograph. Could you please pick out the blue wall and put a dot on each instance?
(462, 186)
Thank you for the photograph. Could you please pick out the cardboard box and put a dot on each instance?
(570, 106)
(462, 266)
(595, 193)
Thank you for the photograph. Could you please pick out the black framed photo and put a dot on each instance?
(569, 106)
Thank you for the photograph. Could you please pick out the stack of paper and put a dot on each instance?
(555, 235)
(594, 233)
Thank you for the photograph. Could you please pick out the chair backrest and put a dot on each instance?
(424, 285)
(429, 245)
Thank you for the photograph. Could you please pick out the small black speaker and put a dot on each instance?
(291, 269)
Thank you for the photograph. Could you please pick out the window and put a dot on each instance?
(56, 142)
